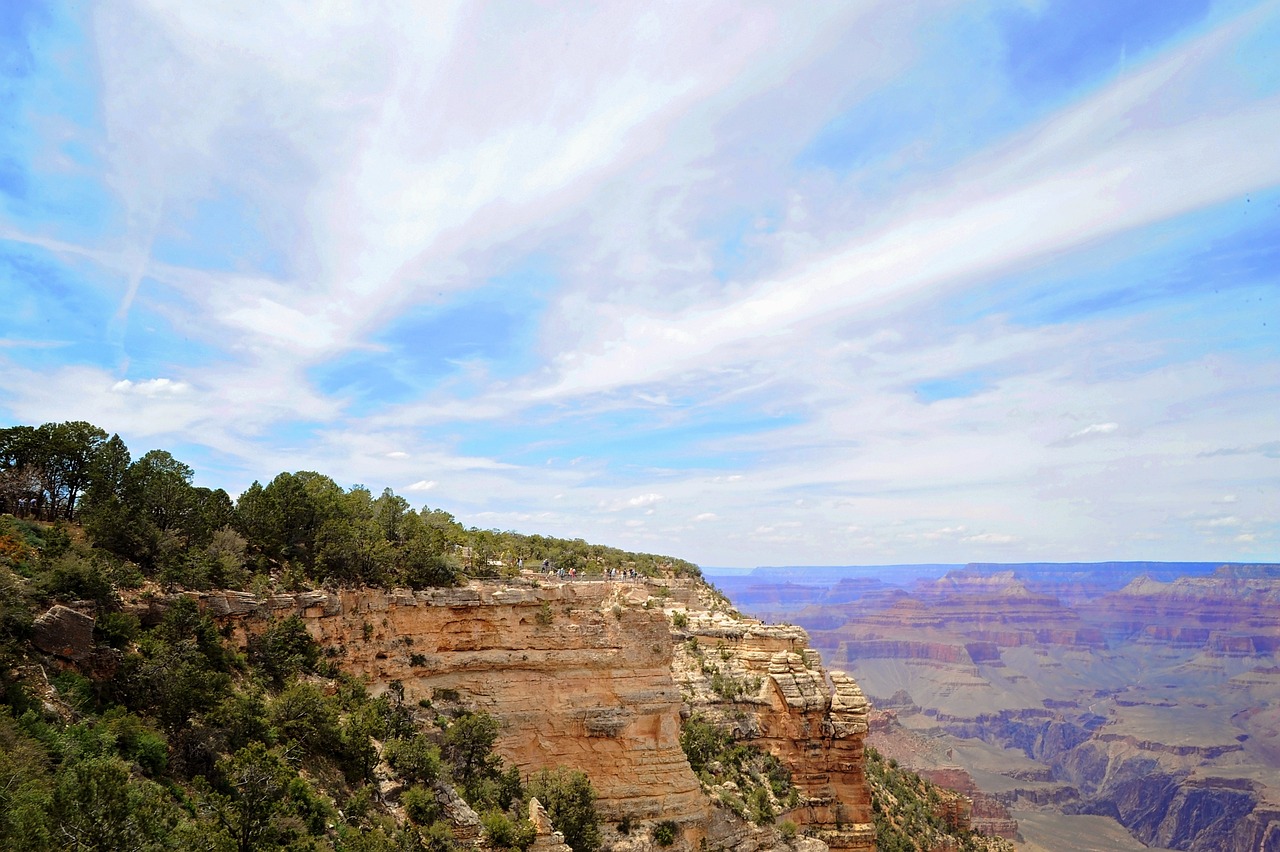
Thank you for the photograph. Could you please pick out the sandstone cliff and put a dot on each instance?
(580, 674)
(781, 699)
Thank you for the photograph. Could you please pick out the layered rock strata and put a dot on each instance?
(580, 675)
(573, 683)
(814, 721)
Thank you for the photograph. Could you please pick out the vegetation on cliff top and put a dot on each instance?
(146, 518)
(162, 736)
(168, 738)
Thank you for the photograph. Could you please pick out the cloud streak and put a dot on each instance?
(748, 283)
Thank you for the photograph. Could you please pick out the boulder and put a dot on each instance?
(64, 632)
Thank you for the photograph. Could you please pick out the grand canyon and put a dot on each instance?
(1063, 697)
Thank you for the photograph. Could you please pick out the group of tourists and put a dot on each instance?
(572, 573)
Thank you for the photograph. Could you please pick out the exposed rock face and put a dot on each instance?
(815, 722)
(65, 633)
(573, 684)
(580, 675)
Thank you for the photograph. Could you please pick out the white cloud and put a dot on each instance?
(151, 387)
(422, 485)
(705, 516)
(989, 538)
(1093, 171)
(1094, 430)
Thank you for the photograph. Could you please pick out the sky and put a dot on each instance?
(747, 283)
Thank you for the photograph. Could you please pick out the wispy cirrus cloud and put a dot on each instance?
(744, 282)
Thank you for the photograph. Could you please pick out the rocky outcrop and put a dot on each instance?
(574, 682)
(546, 839)
(814, 721)
(65, 633)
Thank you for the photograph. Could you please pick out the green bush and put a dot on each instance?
(415, 759)
(570, 801)
(284, 650)
(438, 837)
(762, 812)
(505, 833)
(665, 832)
(420, 806)
(117, 629)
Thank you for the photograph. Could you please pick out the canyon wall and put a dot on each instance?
(580, 675)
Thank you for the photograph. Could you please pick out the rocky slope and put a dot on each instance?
(589, 675)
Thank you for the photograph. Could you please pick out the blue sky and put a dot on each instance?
(747, 283)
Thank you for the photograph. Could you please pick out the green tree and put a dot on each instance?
(570, 801)
(109, 515)
(424, 564)
(252, 800)
(284, 650)
(391, 512)
(415, 759)
(304, 715)
(26, 790)
(99, 808)
(68, 453)
(468, 746)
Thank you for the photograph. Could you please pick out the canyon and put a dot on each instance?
(1135, 693)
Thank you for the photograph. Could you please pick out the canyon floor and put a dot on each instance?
(1096, 706)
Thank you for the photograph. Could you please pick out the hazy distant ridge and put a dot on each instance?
(903, 574)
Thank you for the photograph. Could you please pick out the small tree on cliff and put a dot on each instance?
(468, 746)
(570, 801)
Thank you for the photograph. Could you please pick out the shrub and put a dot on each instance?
(787, 829)
(761, 807)
(305, 716)
(438, 837)
(665, 832)
(679, 620)
(284, 649)
(505, 833)
(420, 806)
(416, 760)
(117, 629)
